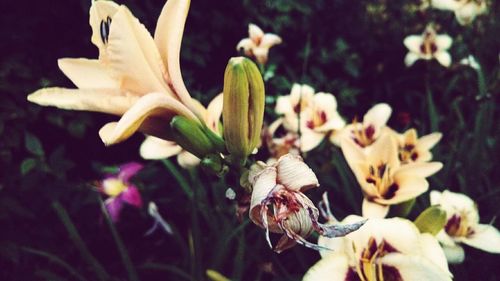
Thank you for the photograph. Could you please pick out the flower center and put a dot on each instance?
(363, 136)
(318, 119)
(458, 226)
(428, 47)
(380, 177)
(113, 186)
(407, 153)
(370, 268)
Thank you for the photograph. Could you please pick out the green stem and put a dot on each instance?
(56, 260)
(77, 240)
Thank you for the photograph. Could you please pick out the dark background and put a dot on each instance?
(50, 158)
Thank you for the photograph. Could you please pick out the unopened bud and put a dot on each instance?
(190, 135)
(243, 111)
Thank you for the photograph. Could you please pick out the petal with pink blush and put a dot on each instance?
(114, 207)
(132, 196)
(129, 170)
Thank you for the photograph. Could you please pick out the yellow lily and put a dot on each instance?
(136, 76)
(154, 148)
(382, 178)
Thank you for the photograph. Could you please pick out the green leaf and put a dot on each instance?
(431, 220)
(33, 144)
(27, 165)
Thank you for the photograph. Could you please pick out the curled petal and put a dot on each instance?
(187, 160)
(151, 105)
(264, 184)
(101, 15)
(97, 100)
(156, 148)
(168, 39)
(295, 174)
(246, 45)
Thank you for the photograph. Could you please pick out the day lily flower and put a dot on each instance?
(136, 76)
(414, 149)
(280, 187)
(154, 148)
(372, 127)
(383, 249)
(428, 46)
(258, 44)
(383, 180)
(120, 190)
(463, 226)
(465, 10)
(316, 113)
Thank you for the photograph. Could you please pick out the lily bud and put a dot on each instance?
(243, 110)
(191, 136)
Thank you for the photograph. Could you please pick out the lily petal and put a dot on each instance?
(129, 170)
(168, 38)
(429, 141)
(97, 100)
(454, 254)
(246, 45)
(373, 210)
(419, 169)
(408, 188)
(377, 116)
(265, 181)
(415, 267)
(432, 250)
(156, 148)
(444, 58)
(310, 139)
(155, 104)
(114, 207)
(411, 58)
(334, 267)
(187, 160)
(255, 32)
(133, 57)
(101, 12)
(486, 237)
(269, 40)
(413, 43)
(87, 74)
(443, 42)
(294, 174)
(435, 197)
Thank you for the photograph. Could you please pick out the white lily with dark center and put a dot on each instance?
(428, 46)
(316, 112)
(279, 205)
(383, 180)
(415, 149)
(463, 226)
(258, 43)
(371, 128)
(136, 76)
(383, 249)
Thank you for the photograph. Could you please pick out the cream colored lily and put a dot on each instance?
(281, 186)
(153, 148)
(463, 226)
(383, 249)
(279, 145)
(383, 180)
(136, 77)
(414, 149)
(465, 10)
(428, 46)
(258, 44)
(317, 114)
(372, 127)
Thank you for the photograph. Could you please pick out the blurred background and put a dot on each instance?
(51, 224)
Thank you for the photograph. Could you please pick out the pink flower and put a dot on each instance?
(120, 190)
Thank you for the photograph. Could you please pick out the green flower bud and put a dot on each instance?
(243, 110)
(431, 220)
(191, 136)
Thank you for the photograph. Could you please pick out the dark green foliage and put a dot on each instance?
(51, 224)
